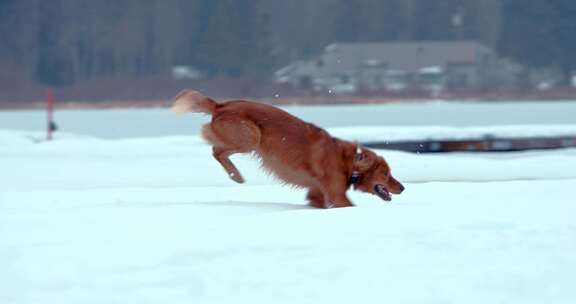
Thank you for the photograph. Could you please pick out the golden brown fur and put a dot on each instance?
(297, 152)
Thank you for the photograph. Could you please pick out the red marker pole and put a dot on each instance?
(50, 111)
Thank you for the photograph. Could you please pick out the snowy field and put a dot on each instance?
(103, 217)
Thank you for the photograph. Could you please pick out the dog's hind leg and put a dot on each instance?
(221, 155)
(230, 135)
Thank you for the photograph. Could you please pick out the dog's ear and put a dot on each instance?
(358, 156)
(363, 159)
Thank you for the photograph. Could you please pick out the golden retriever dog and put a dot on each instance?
(297, 152)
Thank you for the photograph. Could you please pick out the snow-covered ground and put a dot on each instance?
(155, 220)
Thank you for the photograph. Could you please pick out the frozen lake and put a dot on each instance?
(161, 122)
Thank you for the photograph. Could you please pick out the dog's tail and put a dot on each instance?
(193, 101)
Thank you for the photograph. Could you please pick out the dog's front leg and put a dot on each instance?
(338, 201)
(316, 198)
(335, 193)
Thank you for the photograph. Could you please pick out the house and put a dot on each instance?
(398, 66)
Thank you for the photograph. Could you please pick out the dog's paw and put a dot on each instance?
(338, 205)
(236, 177)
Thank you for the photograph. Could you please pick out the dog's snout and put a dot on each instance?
(401, 188)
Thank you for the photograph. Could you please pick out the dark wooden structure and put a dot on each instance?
(486, 144)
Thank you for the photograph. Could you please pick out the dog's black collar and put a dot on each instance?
(354, 178)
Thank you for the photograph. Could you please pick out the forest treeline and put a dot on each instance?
(61, 42)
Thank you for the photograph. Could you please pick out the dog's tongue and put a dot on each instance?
(382, 192)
